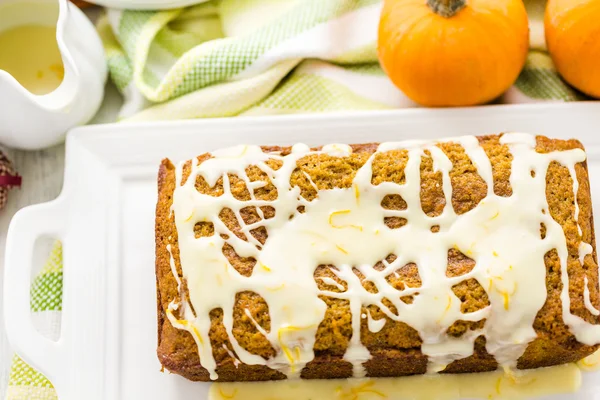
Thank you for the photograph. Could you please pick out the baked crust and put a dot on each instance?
(395, 349)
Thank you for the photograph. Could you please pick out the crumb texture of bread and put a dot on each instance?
(395, 349)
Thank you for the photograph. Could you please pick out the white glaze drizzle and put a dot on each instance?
(575, 191)
(337, 149)
(586, 298)
(256, 324)
(173, 268)
(331, 282)
(375, 325)
(501, 234)
(585, 249)
(236, 362)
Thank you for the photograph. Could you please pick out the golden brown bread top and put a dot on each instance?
(329, 172)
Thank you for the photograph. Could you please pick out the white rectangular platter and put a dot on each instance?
(105, 218)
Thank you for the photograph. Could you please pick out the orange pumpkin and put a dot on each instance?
(573, 39)
(453, 52)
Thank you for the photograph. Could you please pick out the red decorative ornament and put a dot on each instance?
(9, 179)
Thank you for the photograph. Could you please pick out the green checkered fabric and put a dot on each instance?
(46, 296)
(539, 80)
(225, 58)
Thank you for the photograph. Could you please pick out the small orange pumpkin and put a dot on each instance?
(573, 40)
(453, 52)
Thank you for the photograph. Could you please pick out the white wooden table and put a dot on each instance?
(42, 173)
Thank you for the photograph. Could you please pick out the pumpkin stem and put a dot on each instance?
(446, 8)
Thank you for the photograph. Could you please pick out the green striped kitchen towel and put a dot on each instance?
(239, 57)
(243, 57)
(25, 383)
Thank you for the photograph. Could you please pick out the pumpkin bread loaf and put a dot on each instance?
(396, 348)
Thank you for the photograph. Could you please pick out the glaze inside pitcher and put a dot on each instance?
(29, 51)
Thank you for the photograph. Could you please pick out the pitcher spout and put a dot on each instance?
(39, 105)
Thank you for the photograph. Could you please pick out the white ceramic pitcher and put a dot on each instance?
(30, 121)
